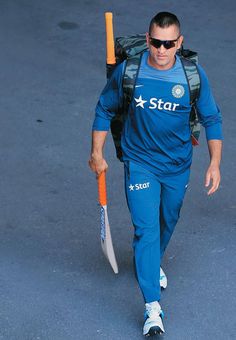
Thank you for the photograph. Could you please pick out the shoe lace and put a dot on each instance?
(153, 310)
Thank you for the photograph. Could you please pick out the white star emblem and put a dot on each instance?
(131, 187)
(140, 101)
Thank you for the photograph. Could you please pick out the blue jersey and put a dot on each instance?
(157, 132)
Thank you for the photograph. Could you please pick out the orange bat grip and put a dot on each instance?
(102, 191)
(111, 59)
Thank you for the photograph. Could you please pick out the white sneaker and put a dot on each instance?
(153, 319)
(163, 279)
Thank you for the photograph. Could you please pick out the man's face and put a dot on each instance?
(161, 57)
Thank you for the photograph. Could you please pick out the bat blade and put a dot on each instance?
(106, 240)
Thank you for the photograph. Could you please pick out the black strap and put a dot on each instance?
(193, 78)
(129, 79)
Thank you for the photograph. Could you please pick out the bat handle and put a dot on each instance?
(111, 59)
(102, 191)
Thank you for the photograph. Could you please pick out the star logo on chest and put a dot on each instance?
(140, 102)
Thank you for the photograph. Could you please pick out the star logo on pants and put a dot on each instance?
(131, 187)
(140, 101)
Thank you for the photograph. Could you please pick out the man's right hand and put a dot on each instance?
(98, 164)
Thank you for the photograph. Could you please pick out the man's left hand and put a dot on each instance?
(213, 178)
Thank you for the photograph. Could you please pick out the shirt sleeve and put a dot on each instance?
(110, 101)
(208, 112)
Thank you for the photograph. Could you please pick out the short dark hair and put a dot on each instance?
(163, 20)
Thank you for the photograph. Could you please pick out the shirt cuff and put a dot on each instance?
(100, 124)
(214, 132)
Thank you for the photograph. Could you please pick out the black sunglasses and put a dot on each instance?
(166, 43)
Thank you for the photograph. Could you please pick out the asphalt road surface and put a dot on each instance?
(55, 283)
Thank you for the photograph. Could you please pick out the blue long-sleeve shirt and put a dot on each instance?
(157, 133)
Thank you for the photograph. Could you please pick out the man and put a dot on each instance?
(157, 151)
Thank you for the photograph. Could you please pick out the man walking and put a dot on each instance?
(157, 151)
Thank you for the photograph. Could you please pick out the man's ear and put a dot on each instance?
(180, 42)
(147, 39)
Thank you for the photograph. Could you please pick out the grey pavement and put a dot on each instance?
(55, 283)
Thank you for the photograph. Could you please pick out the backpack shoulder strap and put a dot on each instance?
(129, 78)
(193, 77)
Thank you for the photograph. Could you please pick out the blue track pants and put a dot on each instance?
(154, 202)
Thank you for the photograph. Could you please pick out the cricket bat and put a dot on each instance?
(106, 240)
